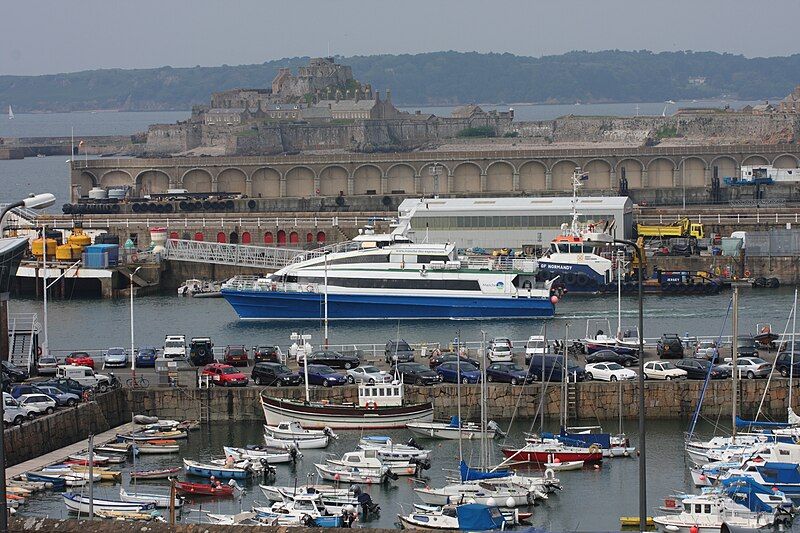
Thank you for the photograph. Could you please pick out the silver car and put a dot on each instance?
(368, 374)
(115, 357)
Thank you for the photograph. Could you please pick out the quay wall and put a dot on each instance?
(40, 525)
(67, 426)
(593, 400)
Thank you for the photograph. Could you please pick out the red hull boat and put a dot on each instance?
(202, 489)
(532, 455)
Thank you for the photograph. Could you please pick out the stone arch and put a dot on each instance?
(630, 170)
(754, 160)
(86, 182)
(300, 181)
(400, 179)
(693, 172)
(234, 238)
(320, 237)
(281, 237)
(785, 161)
(500, 177)
(198, 236)
(268, 238)
(246, 237)
(197, 180)
(532, 176)
(221, 236)
(428, 181)
(660, 173)
(186, 236)
(333, 180)
(722, 167)
(266, 183)
(599, 171)
(294, 238)
(367, 180)
(152, 182)
(467, 178)
(232, 180)
(309, 238)
(562, 174)
(113, 178)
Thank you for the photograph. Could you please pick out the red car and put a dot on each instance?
(80, 359)
(235, 355)
(224, 375)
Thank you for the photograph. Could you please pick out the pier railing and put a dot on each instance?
(230, 254)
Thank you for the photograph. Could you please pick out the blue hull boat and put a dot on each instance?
(207, 470)
(59, 483)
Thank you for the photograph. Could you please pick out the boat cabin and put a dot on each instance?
(380, 395)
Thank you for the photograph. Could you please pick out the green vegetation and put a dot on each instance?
(511, 134)
(436, 78)
(246, 133)
(667, 132)
(480, 131)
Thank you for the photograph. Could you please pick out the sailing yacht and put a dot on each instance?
(10, 113)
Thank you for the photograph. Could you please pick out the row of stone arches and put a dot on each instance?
(280, 237)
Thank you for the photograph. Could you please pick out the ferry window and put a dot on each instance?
(698, 508)
(397, 391)
(380, 392)
(460, 221)
(688, 507)
(707, 508)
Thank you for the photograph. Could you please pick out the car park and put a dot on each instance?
(146, 357)
(608, 372)
(398, 351)
(669, 346)
(115, 357)
(224, 375)
(201, 351)
(549, 367)
(46, 365)
(235, 355)
(80, 359)
(749, 367)
(451, 372)
(268, 354)
(663, 370)
(784, 364)
(610, 356)
(42, 404)
(325, 376)
(175, 347)
(699, 368)
(272, 374)
(507, 372)
(368, 374)
(333, 359)
(63, 399)
(14, 372)
(447, 357)
(417, 374)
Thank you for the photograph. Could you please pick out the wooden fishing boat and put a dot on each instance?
(80, 504)
(186, 488)
(159, 500)
(149, 435)
(83, 459)
(164, 473)
(105, 475)
(157, 446)
(270, 455)
(55, 481)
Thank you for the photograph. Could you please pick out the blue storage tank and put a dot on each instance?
(95, 260)
(112, 250)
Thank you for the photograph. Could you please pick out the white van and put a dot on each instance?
(13, 412)
(536, 345)
(175, 347)
(85, 376)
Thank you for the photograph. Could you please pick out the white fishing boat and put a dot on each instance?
(453, 430)
(303, 509)
(276, 493)
(243, 518)
(80, 504)
(306, 444)
(369, 460)
(158, 500)
(294, 431)
(562, 466)
(347, 474)
(156, 447)
(272, 456)
(388, 450)
(478, 492)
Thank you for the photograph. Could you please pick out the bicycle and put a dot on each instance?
(137, 383)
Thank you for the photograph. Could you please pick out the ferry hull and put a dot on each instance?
(344, 417)
(276, 305)
(579, 279)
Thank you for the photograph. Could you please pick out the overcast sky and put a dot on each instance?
(48, 36)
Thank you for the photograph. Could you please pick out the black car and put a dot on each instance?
(14, 372)
(610, 356)
(266, 354)
(783, 364)
(508, 373)
(201, 351)
(275, 374)
(417, 374)
(698, 369)
(669, 346)
(746, 346)
(333, 359)
(66, 385)
(437, 360)
(398, 352)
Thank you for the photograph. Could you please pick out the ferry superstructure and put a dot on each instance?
(386, 276)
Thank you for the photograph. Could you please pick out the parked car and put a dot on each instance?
(325, 376)
(610, 356)
(201, 351)
(41, 403)
(689, 342)
(783, 364)
(80, 359)
(46, 365)
(115, 357)
(669, 346)
(274, 375)
(500, 351)
(175, 347)
(398, 351)
(13, 412)
(749, 367)
(224, 375)
(65, 384)
(698, 369)
(417, 374)
(14, 372)
(446, 357)
(506, 372)
(551, 368)
(707, 350)
(235, 355)
(368, 374)
(609, 372)
(85, 376)
(25, 388)
(536, 345)
(663, 370)
(450, 372)
(746, 346)
(146, 357)
(63, 399)
(267, 354)
(333, 359)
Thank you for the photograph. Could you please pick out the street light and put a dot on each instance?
(604, 238)
(34, 201)
(133, 356)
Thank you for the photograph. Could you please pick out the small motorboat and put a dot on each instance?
(155, 474)
(293, 431)
(114, 448)
(561, 466)
(150, 435)
(83, 459)
(196, 468)
(80, 504)
(368, 460)
(247, 518)
(157, 446)
(186, 488)
(272, 456)
(468, 517)
(158, 500)
(354, 474)
(56, 482)
(277, 493)
(303, 509)
(387, 449)
(304, 444)
(105, 474)
(765, 337)
(454, 429)
(143, 516)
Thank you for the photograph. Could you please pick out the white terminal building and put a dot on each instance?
(518, 223)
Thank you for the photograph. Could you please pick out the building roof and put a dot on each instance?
(346, 105)
(556, 204)
(467, 111)
(225, 110)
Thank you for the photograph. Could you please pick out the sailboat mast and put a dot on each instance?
(734, 356)
(325, 256)
(619, 295)
(458, 393)
(791, 350)
(564, 378)
(483, 401)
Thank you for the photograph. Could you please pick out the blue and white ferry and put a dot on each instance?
(386, 276)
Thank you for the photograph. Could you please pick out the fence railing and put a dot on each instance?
(229, 254)
(177, 222)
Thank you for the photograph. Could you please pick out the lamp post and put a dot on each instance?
(39, 201)
(603, 238)
(133, 356)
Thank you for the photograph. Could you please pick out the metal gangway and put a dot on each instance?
(23, 334)
(220, 253)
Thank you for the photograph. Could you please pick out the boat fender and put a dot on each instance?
(310, 288)
(372, 405)
(39, 351)
(436, 352)
(549, 474)
(747, 273)
(274, 286)
(594, 448)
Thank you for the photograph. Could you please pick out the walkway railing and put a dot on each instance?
(181, 221)
(229, 254)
